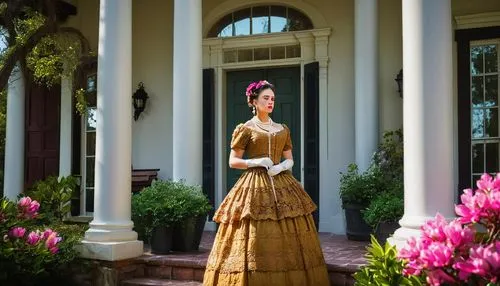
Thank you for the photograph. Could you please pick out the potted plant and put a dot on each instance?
(155, 211)
(356, 192)
(385, 211)
(195, 207)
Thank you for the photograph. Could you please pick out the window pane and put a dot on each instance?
(242, 22)
(90, 143)
(91, 119)
(230, 56)
(477, 158)
(89, 172)
(277, 53)
(491, 92)
(261, 54)
(477, 123)
(92, 83)
(293, 51)
(89, 200)
(490, 58)
(278, 19)
(476, 65)
(477, 91)
(260, 20)
(297, 21)
(223, 28)
(245, 55)
(491, 122)
(492, 158)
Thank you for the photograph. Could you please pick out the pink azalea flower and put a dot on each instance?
(33, 238)
(436, 255)
(485, 183)
(438, 276)
(470, 211)
(52, 240)
(47, 233)
(434, 229)
(458, 236)
(483, 261)
(33, 207)
(24, 202)
(54, 250)
(17, 232)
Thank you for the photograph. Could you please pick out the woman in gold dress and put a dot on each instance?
(266, 234)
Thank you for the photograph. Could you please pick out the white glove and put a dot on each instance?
(276, 169)
(260, 162)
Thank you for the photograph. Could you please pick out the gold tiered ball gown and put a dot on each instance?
(267, 234)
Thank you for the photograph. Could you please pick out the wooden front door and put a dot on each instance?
(287, 107)
(42, 132)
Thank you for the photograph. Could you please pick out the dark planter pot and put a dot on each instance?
(188, 234)
(384, 230)
(161, 240)
(356, 228)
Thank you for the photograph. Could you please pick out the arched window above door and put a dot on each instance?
(260, 20)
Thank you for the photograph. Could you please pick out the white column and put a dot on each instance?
(65, 138)
(428, 114)
(187, 92)
(14, 139)
(366, 78)
(110, 236)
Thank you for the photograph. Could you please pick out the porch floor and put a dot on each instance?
(343, 257)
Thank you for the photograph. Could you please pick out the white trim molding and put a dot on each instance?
(480, 20)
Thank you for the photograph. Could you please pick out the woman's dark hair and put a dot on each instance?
(255, 88)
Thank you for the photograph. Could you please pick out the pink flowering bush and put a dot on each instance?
(30, 251)
(465, 251)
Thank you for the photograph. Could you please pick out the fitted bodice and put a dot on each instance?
(255, 140)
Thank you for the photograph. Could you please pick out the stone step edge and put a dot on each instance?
(157, 282)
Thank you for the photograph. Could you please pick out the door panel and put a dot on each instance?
(42, 132)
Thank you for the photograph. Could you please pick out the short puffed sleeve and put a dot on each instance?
(240, 138)
(288, 142)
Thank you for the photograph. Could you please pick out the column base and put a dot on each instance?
(401, 235)
(410, 227)
(111, 251)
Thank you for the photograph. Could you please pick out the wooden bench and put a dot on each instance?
(142, 178)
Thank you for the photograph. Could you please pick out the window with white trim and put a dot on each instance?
(484, 99)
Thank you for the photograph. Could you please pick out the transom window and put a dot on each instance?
(484, 73)
(260, 20)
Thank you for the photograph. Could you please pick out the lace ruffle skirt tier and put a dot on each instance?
(261, 242)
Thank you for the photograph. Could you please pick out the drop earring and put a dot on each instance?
(253, 110)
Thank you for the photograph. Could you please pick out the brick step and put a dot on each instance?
(158, 282)
(192, 269)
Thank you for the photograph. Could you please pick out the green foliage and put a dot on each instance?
(81, 102)
(54, 56)
(386, 207)
(383, 268)
(23, 263)
(360, 188)
(54, 194)
(389, 156)
(166, 203)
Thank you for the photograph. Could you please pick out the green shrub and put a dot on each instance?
(54, 195)
(166, 203)
(386, 207)
(383, 268)
(360, 188)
